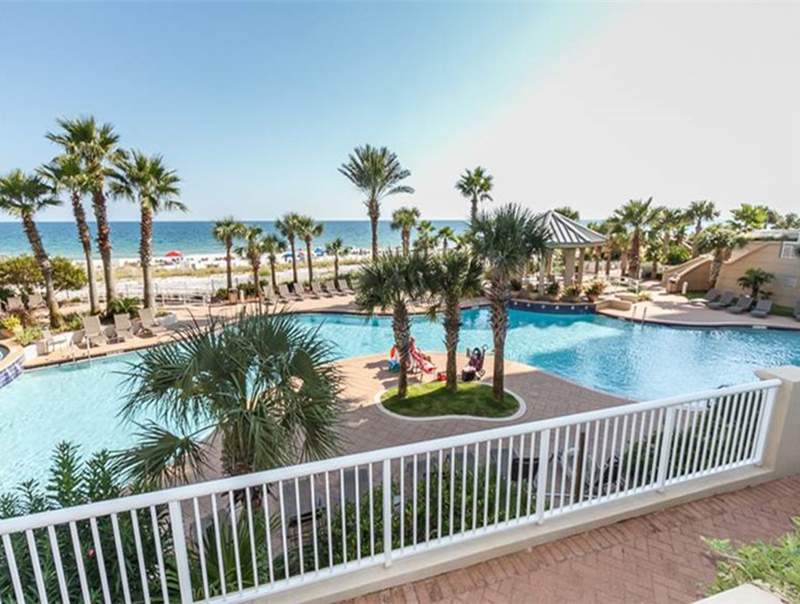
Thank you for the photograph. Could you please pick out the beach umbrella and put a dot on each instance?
(173, 254)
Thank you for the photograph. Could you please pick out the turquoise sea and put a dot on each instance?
(189, 237)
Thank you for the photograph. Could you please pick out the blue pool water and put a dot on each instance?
(80, 402)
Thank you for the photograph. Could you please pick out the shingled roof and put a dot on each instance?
(566, 233)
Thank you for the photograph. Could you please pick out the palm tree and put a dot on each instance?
(22, 196)
(789, 221)
(307, 229)
(476, 185)
(288, 227)
(263, 385)
(403, 220)
(426, 237)
(755, 279)
(455, 275)
(252, 250)
(505, 241)
(749, 217)
(147, 181)
(335, 248)
(568, 212)
(699, 212)
(226, 230)
(65, 174)
(721, 241)
(446, 235)
(636, 214)
(377, 173)
(394, 281)
(96, 146)
(272, 245)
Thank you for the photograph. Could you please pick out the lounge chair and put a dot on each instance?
(724, 302)
(316, 290)
(743, 304)
(710, 296)
(47, 344)
(299, 292)
(762, 309)
(283, 292)
(330, 287)
(269, 294)
(35, 301)
(344, 287)
(93, 331)
(149, 322)
(797, 310)
(123, 328)
(14, 303)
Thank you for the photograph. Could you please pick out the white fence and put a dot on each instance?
(250, 536)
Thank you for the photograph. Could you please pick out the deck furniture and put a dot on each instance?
(269, 294)
(46, 344)
(330, 287)
(762, 309)
(344, 287)
(316, 290)
(123, 328)
(14, 303)
(724, 302)
(743, 304)
(710, 296)
(93, 331)
(283, 292)
(300, 292)
(797, 310)
(149, 322)
(35, 301)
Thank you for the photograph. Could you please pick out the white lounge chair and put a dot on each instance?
(123, 328)
(283, 292)
(149, 322)
(14, 303)
(344, 287)
(269, 294)
(94, 334)
(317, 291)
(330, 287)
(299, 292)
(35, 301)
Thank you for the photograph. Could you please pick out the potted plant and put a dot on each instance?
(572, 292)
(595, 289)
(10, 326)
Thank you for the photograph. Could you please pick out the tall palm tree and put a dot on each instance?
(749, 217)
(426, 237)
(721, 241)
(96, 146)
(446, 235)
(699, 212)
(264, 385)
(226, 230)
(252, 250)
(146, 181)
(454, 275)
(476, 185)
(755, 279)
(671, 223)
(65, 174)
(377, 173)
(22, 196)
(335, 248)
(568, 212)
(394, 281)
(272, 245)
(307, 229)
(504, 241)
(404, 220)
(287, 225)
(635, 214)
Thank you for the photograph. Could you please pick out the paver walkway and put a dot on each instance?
(657, 558)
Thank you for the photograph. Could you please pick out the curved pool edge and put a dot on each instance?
(11, 365)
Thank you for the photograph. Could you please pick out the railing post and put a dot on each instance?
(666, 445)
(181, 556)
(387, 512)
(541, 485)
(763, 432)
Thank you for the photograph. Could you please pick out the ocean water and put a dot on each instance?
(188, 237)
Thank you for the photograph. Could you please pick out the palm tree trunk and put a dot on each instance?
(85, 237)
(310, 263)
(406, 241)
(452, 325)
(473, 213)
(229, 263)
(716, 267)
(104, 241)
(145, 255)
(697, 228)
(597, 258)
(256, 262)
(272, 273)
(44, 265)
(402, 339)
(294, 258)
(608, 263)
(623, 262)
(498, 298)
(374, 215)
(635, 252)
(336, 266)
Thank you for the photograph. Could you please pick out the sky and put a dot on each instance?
(257, 104)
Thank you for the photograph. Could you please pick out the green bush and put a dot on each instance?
(71, 322)
(573, 291)
(553, 289)
(678, 254)
(11, 323)
(119, 306)
(29, 336)
(596, 288)
(22, 274)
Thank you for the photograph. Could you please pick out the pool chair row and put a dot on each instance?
(717, 300)
(299, 292)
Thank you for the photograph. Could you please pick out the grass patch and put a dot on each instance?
(432, 400)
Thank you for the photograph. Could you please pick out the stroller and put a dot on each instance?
(474, 369)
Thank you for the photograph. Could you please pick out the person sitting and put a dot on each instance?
(421, 360)
(474, 368)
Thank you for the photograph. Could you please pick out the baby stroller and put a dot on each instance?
(474, 369)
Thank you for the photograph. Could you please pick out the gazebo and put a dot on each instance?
(573, 238)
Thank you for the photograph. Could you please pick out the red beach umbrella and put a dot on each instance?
(173, 254)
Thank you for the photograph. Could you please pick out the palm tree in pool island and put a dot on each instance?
(505, 241)
(404, 220)
(335, 248)
(146, 181)
(635, 214)
(252, 250)
(377, 173)
(755, 279)
(476, 185)
(272, 245)
(395, 281)
(699, 212)
(65, 174)
(226, 231)
(96, 146)
(307, 229)
(721, 241)
(22, 196)
(288, 226)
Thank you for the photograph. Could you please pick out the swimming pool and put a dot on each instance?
(80, 402)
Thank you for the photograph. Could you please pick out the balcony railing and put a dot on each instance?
(251, 536)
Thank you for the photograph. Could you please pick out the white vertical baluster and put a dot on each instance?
(101, 565)
(387, 511)
(56, 551)
(724, 433)
(314, 535)
(299, 521)
(371, 513)
(666, 442)
(268, 531)
(402, 473)
(251, 532)
(235, 533)
(531, 463)
(623, 459)
(552, 463)
(498, 470)
(12, 568)
(181, 555)
(198, 524)
(734, 432)
(414, 497)
(464, 489)
(427, 497)
(747, 420)
(328, 518)
(123, 571)
(439, 472)
(76, 548)
(593, 462)
(281, 503)
(563, 466)
(674, 446)
(358, 516)
(37, 567)
(518, 482)
(475, 487)
(541, 487)
(702, 440)
(218, 540)
(344, 517)
(508, 477)
(610, 458)
(452, 487)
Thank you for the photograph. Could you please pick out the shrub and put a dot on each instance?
(29, 336)
(71, 322)
(11, 323)
(553, 289)
(22, 274)
(678, 254)
(596, 288)
(573, 290)
(119, 306)
(644, 296)
(516, 285)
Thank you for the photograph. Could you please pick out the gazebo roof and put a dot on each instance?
(566, 233)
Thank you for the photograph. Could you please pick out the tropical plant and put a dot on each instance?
(476, 185)
(678, 254)
(789, 221)
(377, 173)
(749, 217)
(307, 229)
(595, 288)
(721, 241)
(404, 220)
(454, 275)
(755, 279)
(122, 306)
(446, 235)
(635, 214)
(252, 250)
(96, 146)
(335, 248)
(65, 174)
(226, 231)
(22, 196)
(670, 223)
(146, 181)
(395, 281)
(288, 227)
(29, 336)
(504, 241)
(259, 390)
(568, 212)
(425, 240)
(23, 274)
(699, 212)
(272, 245)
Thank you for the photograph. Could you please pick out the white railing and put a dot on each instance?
(319, 520)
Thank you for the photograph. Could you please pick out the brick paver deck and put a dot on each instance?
(657, 558)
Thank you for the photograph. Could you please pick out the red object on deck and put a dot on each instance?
(173, 254)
